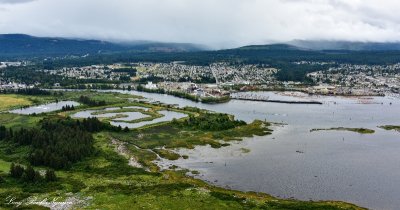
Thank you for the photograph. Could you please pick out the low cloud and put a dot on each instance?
(217, 23)
(15, 1)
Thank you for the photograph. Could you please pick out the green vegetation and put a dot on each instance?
(4, 166)
(90, 102)
(99, 175)
(391, 127)
(13, 101)
(357, 130)
(245, 150)
(16, 121)
(167, 154)
(54, 144)
(210, 122)
(29, 174)
(175, 136)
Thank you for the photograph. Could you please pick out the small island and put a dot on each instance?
(390, 127)
(357, 130)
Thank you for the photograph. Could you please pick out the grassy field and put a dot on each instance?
(4, 166)
(13, 101)
(18, 121)
(105, 180)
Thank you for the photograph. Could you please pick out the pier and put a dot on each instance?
(255, 97)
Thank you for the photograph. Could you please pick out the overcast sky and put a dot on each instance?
(217, 23)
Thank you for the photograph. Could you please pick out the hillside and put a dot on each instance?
(344, 45)
(21, 45)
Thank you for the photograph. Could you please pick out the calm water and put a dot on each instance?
(129, 116)
(294, 162)
(168, 116)
(44, 108)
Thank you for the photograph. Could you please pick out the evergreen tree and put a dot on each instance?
(126, 129)
(3, 132)
(50, 176)
(16, 171)
(29, 174)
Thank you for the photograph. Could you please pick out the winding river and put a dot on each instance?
(296, 163)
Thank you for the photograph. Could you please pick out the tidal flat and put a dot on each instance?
(105, 177)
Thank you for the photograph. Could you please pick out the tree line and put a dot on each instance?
(90, 102)
(30, 175)
(68, 108)
(29, 91)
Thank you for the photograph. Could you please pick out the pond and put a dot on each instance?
(129, 116)
(168, 116)
(45, 108)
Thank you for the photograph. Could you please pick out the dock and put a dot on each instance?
(253, 97)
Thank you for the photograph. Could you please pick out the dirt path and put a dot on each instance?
(120, 148)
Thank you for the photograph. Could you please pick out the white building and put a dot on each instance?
(150, 85)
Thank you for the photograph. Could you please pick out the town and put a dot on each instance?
(357, 80)
(219, 79)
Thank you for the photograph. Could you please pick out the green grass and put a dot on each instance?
(167, 154)
(16, 121)
(356, 130)
(4, 166)
(13, 101)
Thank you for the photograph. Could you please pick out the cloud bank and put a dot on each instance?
(14, 1)
(217, 23)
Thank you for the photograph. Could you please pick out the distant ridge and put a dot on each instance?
(270, 47)
(12, 45)
(345, 45)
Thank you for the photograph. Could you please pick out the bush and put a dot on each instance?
(16, 171)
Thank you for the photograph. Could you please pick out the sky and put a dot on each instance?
(215, 23)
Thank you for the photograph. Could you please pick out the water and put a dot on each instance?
(168, 116)
(129, 116)
(45, 108)
(294, 162)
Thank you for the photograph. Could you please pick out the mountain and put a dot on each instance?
(21, 45)
(344, 45)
